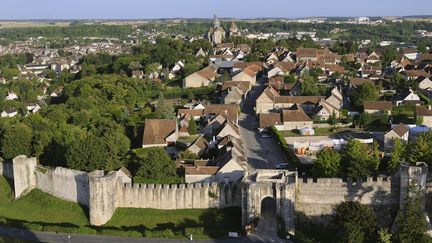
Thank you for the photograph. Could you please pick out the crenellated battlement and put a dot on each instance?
(370, 181)
(103, 193)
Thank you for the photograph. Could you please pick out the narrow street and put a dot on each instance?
(262, 153)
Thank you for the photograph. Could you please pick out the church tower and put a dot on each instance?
(216, 33)
(233, 31)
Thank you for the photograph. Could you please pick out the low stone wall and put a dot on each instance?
(316, 198)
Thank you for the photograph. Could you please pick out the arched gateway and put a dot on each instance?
(264, 184)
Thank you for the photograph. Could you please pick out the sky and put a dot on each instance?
(154, 9)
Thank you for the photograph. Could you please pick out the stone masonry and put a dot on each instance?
(314, 198)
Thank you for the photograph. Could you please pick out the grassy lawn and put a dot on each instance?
(42, 212)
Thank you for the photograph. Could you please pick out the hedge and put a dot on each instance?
(286, 150)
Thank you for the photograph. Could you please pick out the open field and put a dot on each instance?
(42, 212)
(30, 24)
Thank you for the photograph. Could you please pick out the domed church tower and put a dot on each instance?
(216, 33)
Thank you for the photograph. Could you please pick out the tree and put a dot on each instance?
(366, 92)
(309, 86)
(188, 155)
(354, 222)
(16, 140)
(290, 79)
(359, 160)
(332, 120)
(155, 164)
(384, 236)
(86, 153)
(411, 222)
(397, 155)
(327, 164)
(421, 149)
(163, 109)
(192, 128)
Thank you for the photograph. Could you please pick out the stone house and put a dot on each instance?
(159, 132)
(199, 146)
(378, 107)
(295, 118)
(424, 83)
(306, 54)
(201, 78)
(425, 114)
(270, 100)
(195, 174)
(269, 119)
(227, 128)
(232, 167)
(247, 74)
(398, 132)
(9, 113)
(407, 97)
(411, 53)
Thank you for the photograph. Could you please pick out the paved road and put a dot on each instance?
(262, 153)
(49, 237)
(266, 230)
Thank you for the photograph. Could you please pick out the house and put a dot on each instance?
(357, 82)
(195, 113)
(159, 132)
(306, 54)
(214, 124)
(201, 78)
(199, 146)
(200, 53)
(270, 99)
(11, 96)
(295, 118)
(398, 132)
(195, 174)
(325, 110)
(247, 74)
(139, 74)
(424, 115)
(378, 107)
(269, 119)
(373, 58)
(229, 111)
(407, 97)
(282, 68)
(9, 113)
(414, 74)
(33, 107)
(411, 53)
(424, 83)
(232, 167)
(234, 96)
(227, 128)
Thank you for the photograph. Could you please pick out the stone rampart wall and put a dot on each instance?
(317, 198)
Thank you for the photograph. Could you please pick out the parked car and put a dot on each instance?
(264, 134)
(282, 166)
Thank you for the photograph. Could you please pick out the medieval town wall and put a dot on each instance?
(67, 184)
(317, 198)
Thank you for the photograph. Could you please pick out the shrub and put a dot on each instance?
(194, 231)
